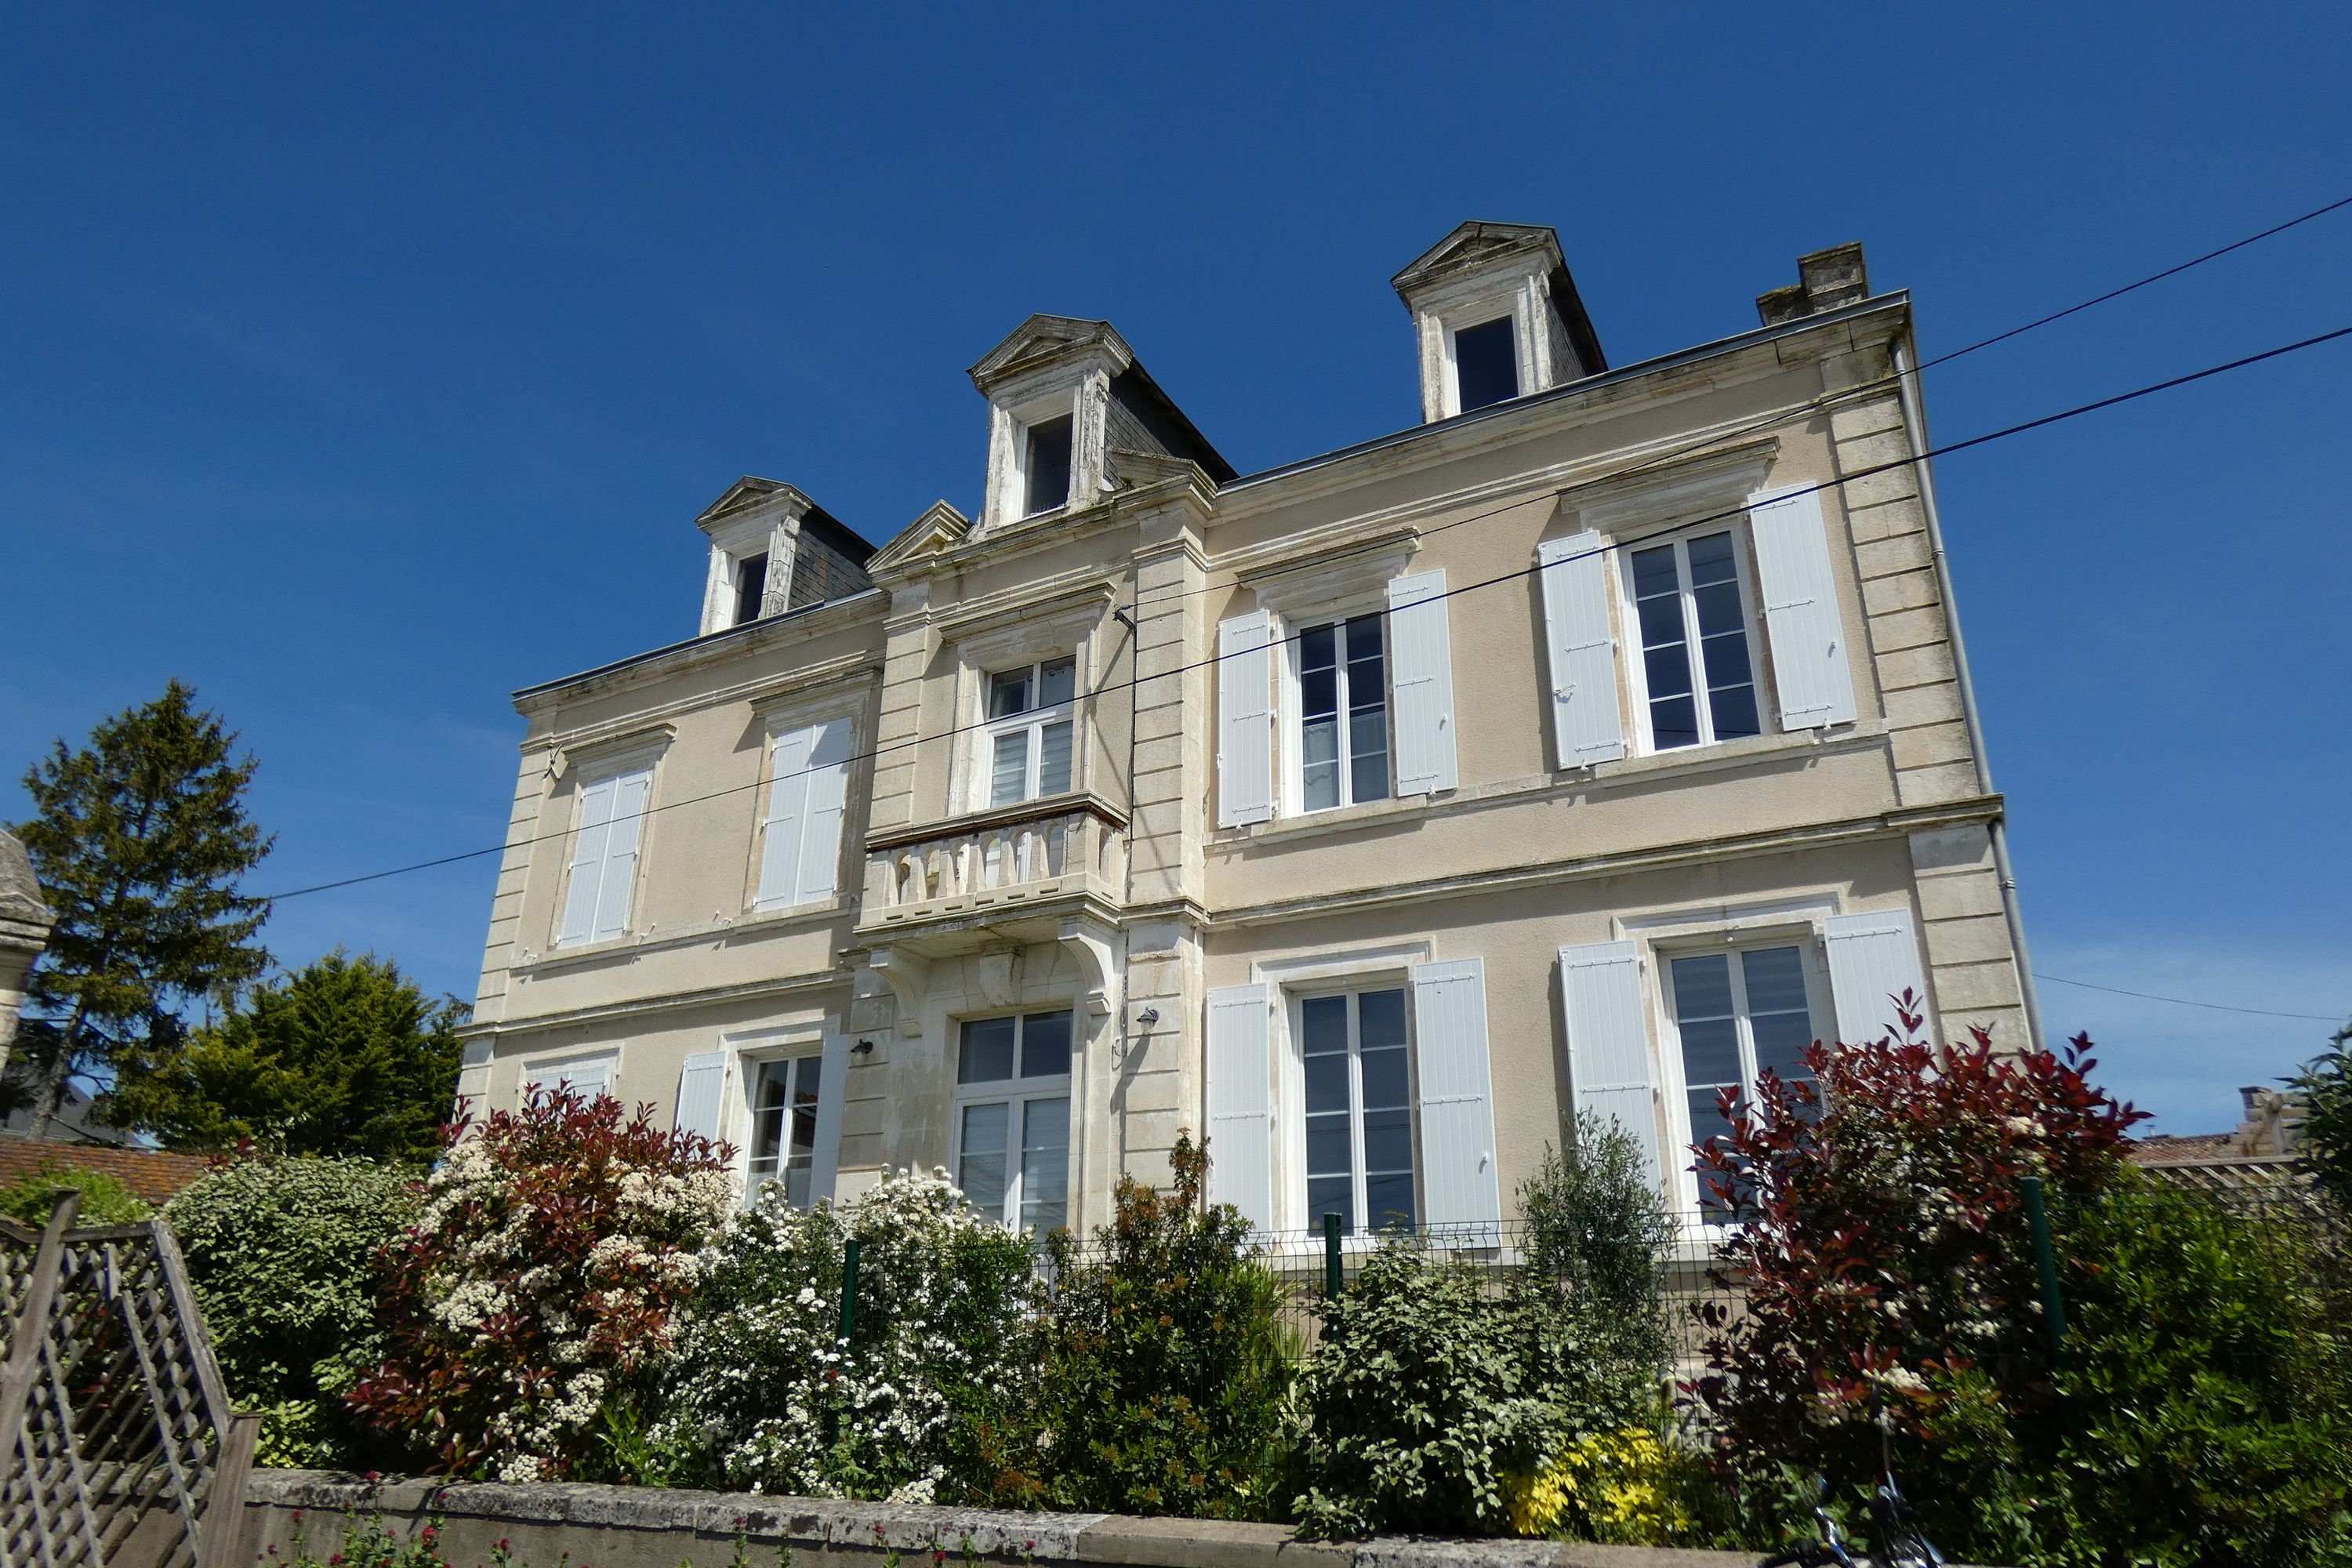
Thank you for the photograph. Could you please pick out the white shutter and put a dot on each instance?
(1421, 659)
(828, 789)
(1458, 1177)
(832, 1086)
(1874, 958)
(1801, 625)
(629, 792)
(587, 863)
(701, 1086)
(1244, 721)
(1585, 724)
(788, 807)
(1241, 1103)
(1609, 1042)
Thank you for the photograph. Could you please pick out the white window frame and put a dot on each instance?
(1035, 720)
(547, 1072)
(1636, 665)
(1673, 1079)
(1460, 322)
(1026, 417)
(1292, 630)
(748, 1065)
(1016, 1093)
(607, 767)
(776, 724)
(1295, 1000)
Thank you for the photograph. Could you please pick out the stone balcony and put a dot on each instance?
(1061, 853)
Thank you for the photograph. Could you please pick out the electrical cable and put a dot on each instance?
(1682, 525)
(2185, 1002)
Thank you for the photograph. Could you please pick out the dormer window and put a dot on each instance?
(1486, 363)
(1046, 466)
(751, 587)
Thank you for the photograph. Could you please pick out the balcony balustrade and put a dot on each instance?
(1019, 855)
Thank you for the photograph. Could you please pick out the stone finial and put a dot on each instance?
(24, 922)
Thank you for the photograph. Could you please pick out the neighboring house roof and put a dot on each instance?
(2261, 1155)
(153, 1175)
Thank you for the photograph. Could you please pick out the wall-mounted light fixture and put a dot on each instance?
(1148, 1017)
(861, 1049)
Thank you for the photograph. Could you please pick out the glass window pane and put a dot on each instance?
(1327, 1153)
(1319, 648)
(1668, 669)
(1662, 621)
(1733, 709)
(1710, 560)
(1323, 1024)
(1053, 758)
(1327, 1082)
(987, 1051)
(1367, 769)
(770, 1096)
(1008, 693)
(1379, 1018)
(1775, 977)
(1049, 465)
(981, 1169)
(1318, 693)
(1046, 1044)
(1654, 573)
(1702, 987)
(751, 587)
(1710, 1054)
(1009, 776)
(1674, 722)
(1046, 1163)
(1388, 1200)
(1386, 1078)
(1726, 656)
(1056, 681)
(1388, 1142)
(1331, 1195)
(1485, 363)
(1319, 767)
(1718, 609)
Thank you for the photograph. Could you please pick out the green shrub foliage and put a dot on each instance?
(1597, 1227)
(1428, 1389)
(761, 1394)
(1164, 1381)
(281, 1253)
(2207, 1415)
(29, 1199)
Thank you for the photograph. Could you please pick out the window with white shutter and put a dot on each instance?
(1357, 1108)
(1811, 669)
(587, 1077)
(604, 863)
(1460, 1183)
(1695, 668)
(1737, 1012)
(1585, 726)
(1609, 1042)
(1423, 682)
(1244, 721)
(1241, 1103)
(702, 1091)
(787, 1095)
(1874, 958)
(800, 848)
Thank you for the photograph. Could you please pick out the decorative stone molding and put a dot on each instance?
(909, 976)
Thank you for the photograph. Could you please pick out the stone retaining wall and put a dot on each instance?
(648, 1527)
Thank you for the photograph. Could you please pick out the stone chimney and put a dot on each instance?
(1827, 280)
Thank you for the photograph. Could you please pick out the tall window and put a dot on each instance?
(604, 867)
(1029, 721)
(1046, 466)
(1343, 713)
(1012, 1117)
(751, 586)
(1485, 363)
(1359, 1101)
(1737, 1014)
(1698, 678)
(783, 1126)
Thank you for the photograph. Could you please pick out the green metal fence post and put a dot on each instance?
(1331, 1276)
(2045, 1258)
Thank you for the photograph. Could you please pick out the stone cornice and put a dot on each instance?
(713, 648)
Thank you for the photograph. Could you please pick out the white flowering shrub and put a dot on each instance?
(761, 1395)
(530, 1305)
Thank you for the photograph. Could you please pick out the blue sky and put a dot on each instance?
(365, 363)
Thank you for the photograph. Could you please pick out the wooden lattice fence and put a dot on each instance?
(116, 1432)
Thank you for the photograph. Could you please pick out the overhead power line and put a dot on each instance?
(2185, 1002)
(1511, 576)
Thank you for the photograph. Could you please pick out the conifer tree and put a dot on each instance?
(139, 840)
(344, 1056)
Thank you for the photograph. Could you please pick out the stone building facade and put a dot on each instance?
(1592, 745)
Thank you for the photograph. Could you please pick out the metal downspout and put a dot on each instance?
(1914, 430)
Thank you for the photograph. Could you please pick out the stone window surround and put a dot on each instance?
(773, 529)
(1313, 593)
(778, 715)
(556, 1061)
(608, 757)
(1516, 286)
(979, 654)
(747, 1050)
(1079, 386)
(1353, 969)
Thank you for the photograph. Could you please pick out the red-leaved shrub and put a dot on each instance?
(524, 1305)
(1884, 1245)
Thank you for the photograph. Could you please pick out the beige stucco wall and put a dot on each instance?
(1887, 812)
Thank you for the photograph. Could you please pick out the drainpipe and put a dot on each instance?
(1914, 427)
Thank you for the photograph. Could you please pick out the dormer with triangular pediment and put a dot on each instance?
(1495, 316)
(1066, 398)
(773, 549)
